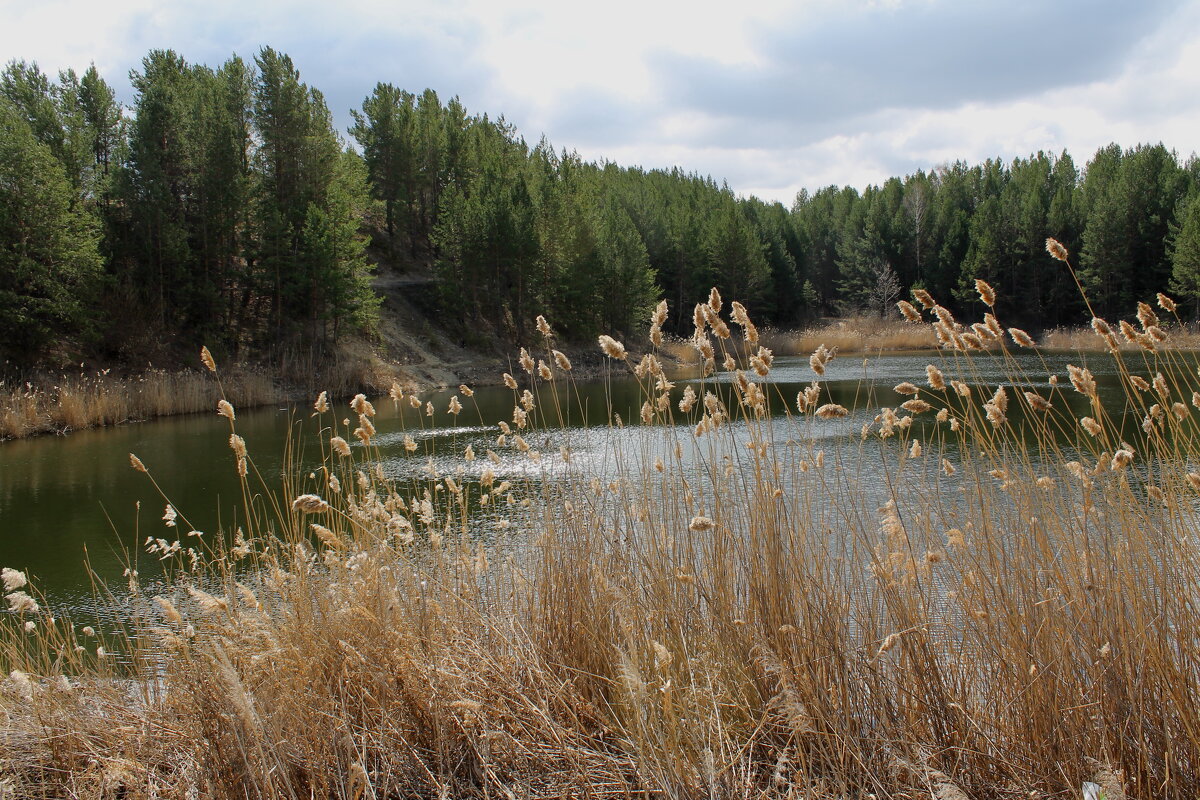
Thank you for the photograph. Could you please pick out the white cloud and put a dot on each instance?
(770, 96)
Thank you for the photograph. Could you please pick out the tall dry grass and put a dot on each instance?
(1002, 604)
(71, 402)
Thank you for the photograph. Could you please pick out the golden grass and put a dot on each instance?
(1005, 610)
(861, 334)
(71, 402)
(1183, 337)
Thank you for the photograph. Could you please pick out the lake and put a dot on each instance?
(72, 504)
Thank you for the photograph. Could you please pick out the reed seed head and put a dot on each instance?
(544, 327)
(225, 409)
(136, 463)
(1021, 337)
(1037, 402)
(714, 301)
(660, 314)
(1056, 250)
(937, 380)
(701, 523)
(924, 298)
(13, 579)
(1166, 303)
(322, 403)
(207, 359)
(526, 361)
(986, 293)
(310, 504)
(612, 348)
(832, 411)
(908, 311)
(510, 381)
(340, 446)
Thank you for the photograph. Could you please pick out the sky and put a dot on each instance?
(768, 96)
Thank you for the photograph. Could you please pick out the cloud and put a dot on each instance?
(841, 66)
(772, 96)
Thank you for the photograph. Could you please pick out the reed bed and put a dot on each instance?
(66, 402)
(1007, 608)
(1184, 336)
(859, 334)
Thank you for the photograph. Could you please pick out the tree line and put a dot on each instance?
(224, 206)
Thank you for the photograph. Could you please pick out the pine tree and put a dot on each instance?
(49, 257)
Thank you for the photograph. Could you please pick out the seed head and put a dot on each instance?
(832, 411)
(1056, 250)
(660, 314)
(1146, 315)
(455, 405)
(986, 293)
(937, 380)
(362, 406)
(1037, 402)
(909, 312)
(13, 579)
(612, 348)
(322, 404)
(310, 504)
(225, 410)
(1021, 337)
(924, 298)
(526, 361)
(207, 359)
(19, 602)
(916, 406)
(699, 524)
(905, 388)
(714, 301)
(136, 463)
(510, 381)
(1082, 380)
(544, 327)
(340, 446)
(1166, 303)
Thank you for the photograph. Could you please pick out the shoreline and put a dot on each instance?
(66, 403)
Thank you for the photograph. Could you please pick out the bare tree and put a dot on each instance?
(885, 289)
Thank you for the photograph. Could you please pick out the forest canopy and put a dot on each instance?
(223, 206)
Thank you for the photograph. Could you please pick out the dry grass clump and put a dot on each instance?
(853, 335)
(740, 607)
(1183, 336)
(71, 402)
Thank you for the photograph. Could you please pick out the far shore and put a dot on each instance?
(61, 403)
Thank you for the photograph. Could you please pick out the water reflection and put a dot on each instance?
(67, 503)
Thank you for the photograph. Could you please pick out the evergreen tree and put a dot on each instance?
(49, 257)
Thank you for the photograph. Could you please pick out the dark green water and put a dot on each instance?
(73, 502)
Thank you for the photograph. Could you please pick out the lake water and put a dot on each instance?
(72, 506)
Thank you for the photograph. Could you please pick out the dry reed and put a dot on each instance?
(72, 402)
(737, 613)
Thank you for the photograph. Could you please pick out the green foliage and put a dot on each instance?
(49, 258)
(232, 213)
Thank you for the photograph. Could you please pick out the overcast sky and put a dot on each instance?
(770, 96)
